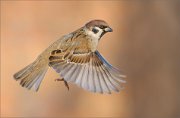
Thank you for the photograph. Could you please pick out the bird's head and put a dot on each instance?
(97, 28)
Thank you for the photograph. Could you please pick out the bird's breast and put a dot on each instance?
(93, 43)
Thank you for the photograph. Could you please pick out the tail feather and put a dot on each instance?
(32, 75)
(23, 72)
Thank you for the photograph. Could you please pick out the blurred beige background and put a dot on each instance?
(145, 45)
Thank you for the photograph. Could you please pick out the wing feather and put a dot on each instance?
(90, 77)
(89, 71)
(97, 79)
(108, 80)
(75, 73)
(102, 79)
(84, 82)
(67, 71)
(79, 76)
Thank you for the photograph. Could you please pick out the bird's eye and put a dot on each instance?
(95, 30)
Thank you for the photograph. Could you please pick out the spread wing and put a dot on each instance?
(88, 70)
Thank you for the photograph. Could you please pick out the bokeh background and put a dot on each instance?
(145, 45)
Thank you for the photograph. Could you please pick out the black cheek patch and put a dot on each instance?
(95, 30)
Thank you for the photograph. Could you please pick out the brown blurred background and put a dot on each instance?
(145, 45)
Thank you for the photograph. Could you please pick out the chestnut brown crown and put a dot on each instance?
(91, 25)
(98, 23)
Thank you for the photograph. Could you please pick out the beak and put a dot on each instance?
(108, 29)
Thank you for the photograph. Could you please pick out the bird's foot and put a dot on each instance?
(65, 82)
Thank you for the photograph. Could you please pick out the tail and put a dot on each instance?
(32, 75)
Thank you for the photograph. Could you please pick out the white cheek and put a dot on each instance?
(99, 33)
(95, 39)
(93, 35)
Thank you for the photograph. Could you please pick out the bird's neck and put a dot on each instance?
(93, 40)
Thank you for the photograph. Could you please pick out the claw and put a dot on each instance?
(65, 82)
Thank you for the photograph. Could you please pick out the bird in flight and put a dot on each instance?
(75, 58)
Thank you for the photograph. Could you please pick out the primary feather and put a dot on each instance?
(89, 71)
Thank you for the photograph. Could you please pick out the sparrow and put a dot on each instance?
(75, 58)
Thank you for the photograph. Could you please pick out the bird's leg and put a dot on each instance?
(65, 82)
